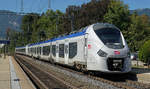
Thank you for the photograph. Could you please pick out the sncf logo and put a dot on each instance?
(89, 46)
(117, 52)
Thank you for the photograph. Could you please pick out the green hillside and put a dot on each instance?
(145, 11)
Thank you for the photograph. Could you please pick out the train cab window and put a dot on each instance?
(72, 49)
(111, 37)
(46, 50)
(61, 50)
(54, 50)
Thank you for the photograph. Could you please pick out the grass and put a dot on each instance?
(140, 67)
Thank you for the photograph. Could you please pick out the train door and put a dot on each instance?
(89, 54)
(66, 51)
(57, 52)
(38, 51)
(50, 53)
(35, 51)
(41, 51)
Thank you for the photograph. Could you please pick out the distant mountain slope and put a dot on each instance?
(10, 20)
(145, 11)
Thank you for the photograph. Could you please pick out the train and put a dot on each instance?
(99, 47)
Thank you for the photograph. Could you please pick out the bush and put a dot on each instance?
(144, 52)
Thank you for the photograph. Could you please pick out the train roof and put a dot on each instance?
(81, 32)
(104, 25)
(63, 37)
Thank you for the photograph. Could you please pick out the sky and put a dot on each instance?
(40, 6)
(137, 4)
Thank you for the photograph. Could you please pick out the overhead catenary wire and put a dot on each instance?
(32, 5)
(49, 4)
(22, 8)
(42, 7)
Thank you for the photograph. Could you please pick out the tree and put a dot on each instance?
(86, 14)
(27, 26)
(144, 53)
(48, 26)
(16, 39)
(138, 31)
(118, 14)
(135, 28)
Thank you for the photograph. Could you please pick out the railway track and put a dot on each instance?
(41, 78)
(125, 81)
(116, 81)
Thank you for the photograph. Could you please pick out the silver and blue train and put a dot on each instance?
(97, 47)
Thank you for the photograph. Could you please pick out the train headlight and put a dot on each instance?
(102, 53)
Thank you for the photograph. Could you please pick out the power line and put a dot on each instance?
(16, 5)
(21, 5)
(32, 5)
(49, 4)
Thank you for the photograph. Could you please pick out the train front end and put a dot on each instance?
(108, 50)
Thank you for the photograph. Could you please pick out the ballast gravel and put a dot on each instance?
(80, 78)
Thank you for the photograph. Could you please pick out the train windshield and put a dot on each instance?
(110, 37)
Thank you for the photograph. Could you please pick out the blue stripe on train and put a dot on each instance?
(61, 38)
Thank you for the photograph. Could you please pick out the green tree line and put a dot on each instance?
(51, 24)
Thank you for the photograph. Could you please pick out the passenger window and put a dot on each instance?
(31, 50)
(40, 50)
(61, 50)
(46, 50)
(35, 50)
(23, 50)
(54, 50)
(72, 49)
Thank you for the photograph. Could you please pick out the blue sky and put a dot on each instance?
(137, 4)
(41, 5)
